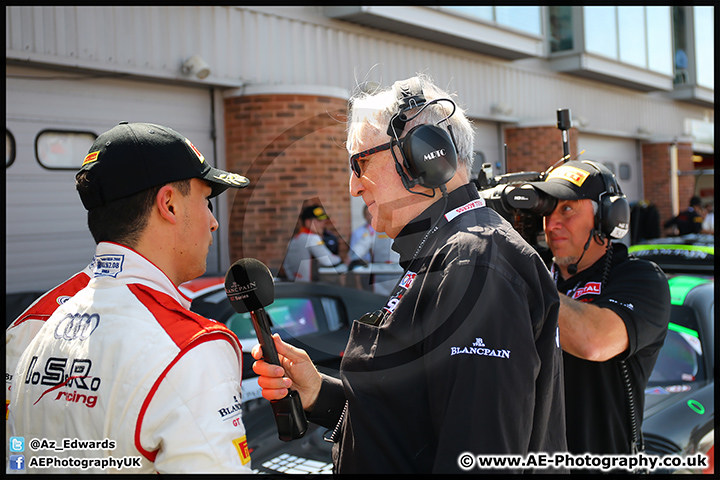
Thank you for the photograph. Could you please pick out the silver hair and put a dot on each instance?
(375, 107)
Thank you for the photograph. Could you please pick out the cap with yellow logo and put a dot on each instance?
(575, 180)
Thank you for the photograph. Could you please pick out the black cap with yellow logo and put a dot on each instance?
(574, 180)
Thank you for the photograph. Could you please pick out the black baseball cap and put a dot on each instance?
(132, 157)
(314, 212)
(574, 180)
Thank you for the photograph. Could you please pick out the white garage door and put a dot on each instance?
(47, 239)
(620, 155)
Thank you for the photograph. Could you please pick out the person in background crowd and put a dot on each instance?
(307, 251)
(688, 221)
(370, 247)
(364, 230)
(331, 241)
(708, 225)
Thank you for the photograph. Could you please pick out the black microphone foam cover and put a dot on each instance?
(249, 285)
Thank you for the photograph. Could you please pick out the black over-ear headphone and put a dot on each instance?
(428, 151)
(613, 215)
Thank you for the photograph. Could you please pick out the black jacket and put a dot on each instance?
(465, 359)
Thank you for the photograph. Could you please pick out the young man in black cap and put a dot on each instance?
(614, 309)
(123, 365)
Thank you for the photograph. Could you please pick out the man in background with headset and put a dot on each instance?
(464, 359)
(614, 309)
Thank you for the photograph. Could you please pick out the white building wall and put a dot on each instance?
(133, 56)
(298, 45)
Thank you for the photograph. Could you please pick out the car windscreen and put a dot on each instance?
(296, 316)
(681, 358)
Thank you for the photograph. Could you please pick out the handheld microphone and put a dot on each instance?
(572, 268)
(250, 288)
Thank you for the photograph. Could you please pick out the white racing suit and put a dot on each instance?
(123, 373)
(24, 328)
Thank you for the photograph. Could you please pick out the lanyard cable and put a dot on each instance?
(379, 315)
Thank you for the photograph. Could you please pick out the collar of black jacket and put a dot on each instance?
(409, 238)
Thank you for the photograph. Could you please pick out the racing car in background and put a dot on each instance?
(679, 399)
(679, 416)
(687, 254)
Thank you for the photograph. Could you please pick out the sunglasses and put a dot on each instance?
(355, 166)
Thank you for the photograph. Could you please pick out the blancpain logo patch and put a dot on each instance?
(479, 348)
(236, 292)
(233, 409)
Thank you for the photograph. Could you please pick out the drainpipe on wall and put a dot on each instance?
(674, 193)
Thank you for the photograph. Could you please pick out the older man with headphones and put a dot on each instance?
(464, 359)
(614, 309)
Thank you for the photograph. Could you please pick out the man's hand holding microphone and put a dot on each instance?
(296, 370)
